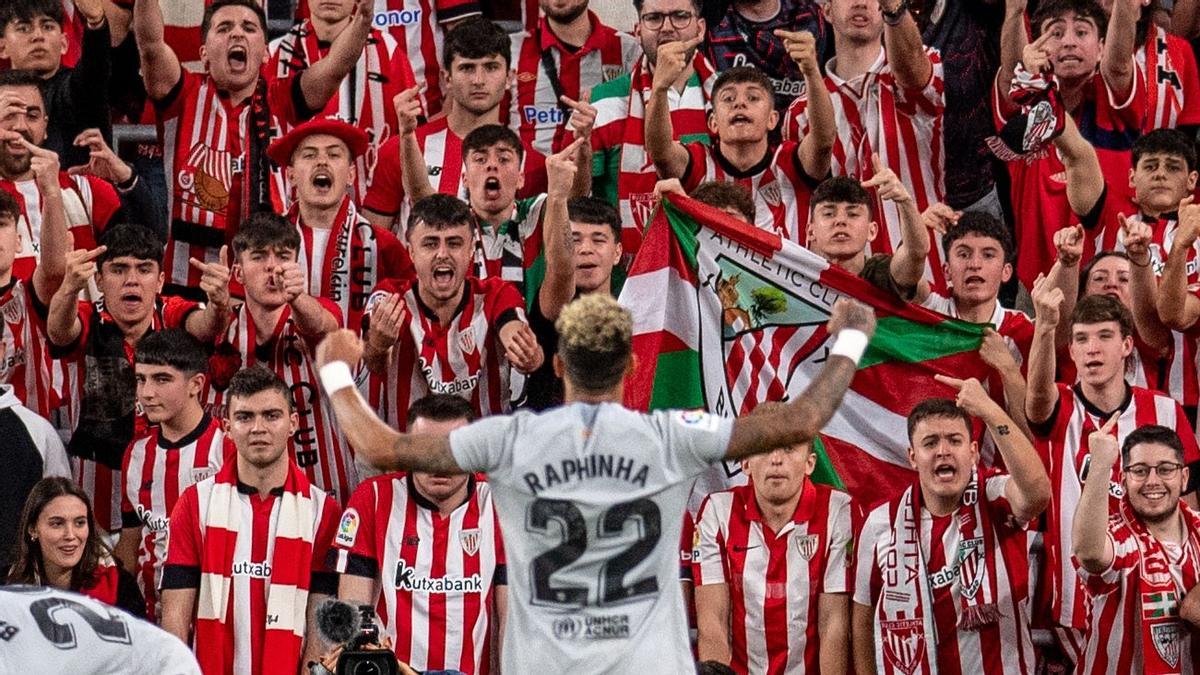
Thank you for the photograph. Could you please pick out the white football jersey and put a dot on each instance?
(50, 630)
(591, 500)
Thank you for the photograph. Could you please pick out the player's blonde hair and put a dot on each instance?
(595, 339)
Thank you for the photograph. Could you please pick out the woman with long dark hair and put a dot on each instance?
(60, 546)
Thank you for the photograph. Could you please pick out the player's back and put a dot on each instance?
(46, 629)
(591, 499)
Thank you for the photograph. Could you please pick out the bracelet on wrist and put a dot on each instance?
(1138, 264)
(893, 17)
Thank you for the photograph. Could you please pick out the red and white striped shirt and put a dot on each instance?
(317, 446)
(436, 573)
(464, 359)
(252, 557)
(25, 360)
(88, 202)
(101, 482)
(1168, 66)
(1062, 444)
(774, 578)
(442, 149)
(417, 27)
(364, 98)
(622, 171)
(154, 474)
(1001, 647)
(206, 157)
(1119, 602)
(535, 112)
(344, 263)
(780, 187)
(904, 127)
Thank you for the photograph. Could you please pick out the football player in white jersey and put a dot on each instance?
(44, 628)
(591, 495)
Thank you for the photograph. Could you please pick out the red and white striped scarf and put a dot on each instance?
(906, 636)
(1162, 633)
(350, 267)
(291, 565)
(635, 185)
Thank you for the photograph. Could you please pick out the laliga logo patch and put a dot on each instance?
(348, 528)
(697, 418)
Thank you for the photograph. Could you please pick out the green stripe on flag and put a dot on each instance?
(677, 382)
(684, 229)
(824, 473)
(901, 340)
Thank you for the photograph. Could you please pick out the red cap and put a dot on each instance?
(280, 151)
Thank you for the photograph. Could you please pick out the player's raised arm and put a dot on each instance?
(853, 323)
(375, 442)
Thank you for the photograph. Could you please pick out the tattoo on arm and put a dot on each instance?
(1002, 430)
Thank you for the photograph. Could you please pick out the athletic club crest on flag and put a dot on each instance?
(466, 340)
(469, 539)
(807, 545)
(903, 643)
(641, 204)
(1166, 637)
(771, 193)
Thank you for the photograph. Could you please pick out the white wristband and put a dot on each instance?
(851, 343)
(336, 376)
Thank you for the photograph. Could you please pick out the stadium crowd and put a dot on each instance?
(434, 205)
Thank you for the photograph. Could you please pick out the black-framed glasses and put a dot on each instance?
(680, 19)
(1165, 470)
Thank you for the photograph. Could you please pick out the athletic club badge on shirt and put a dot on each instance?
(469, 540)
(807, 545)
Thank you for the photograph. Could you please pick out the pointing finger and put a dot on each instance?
(947, 380)
(1111, 423)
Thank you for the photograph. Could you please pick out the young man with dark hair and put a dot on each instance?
(341, 254)
(34, 38)
(885, 90)
(624, 465)
(183, 446)
(84, 199)
(364, 98)
(445, 332)
(215, 126)
(557, 64)
(443, 595)
(96, 341)
(779, 531)
(1088, 61)
(509, 231)
(246, 567)
(278, 326)
(1062, 415)
(782, 176)
(942, 580)
(1141, 562)
(476, 72)
(622, 173)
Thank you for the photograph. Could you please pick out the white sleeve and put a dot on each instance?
(838, 560)
(694, 439)
(49, 443)
(483, 445)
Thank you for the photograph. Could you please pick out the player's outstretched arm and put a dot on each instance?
(853, 323)
(375, 442)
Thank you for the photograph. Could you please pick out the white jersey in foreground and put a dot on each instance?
(45, 629)
(591, 500)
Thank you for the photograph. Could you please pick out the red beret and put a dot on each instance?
(280, 151)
